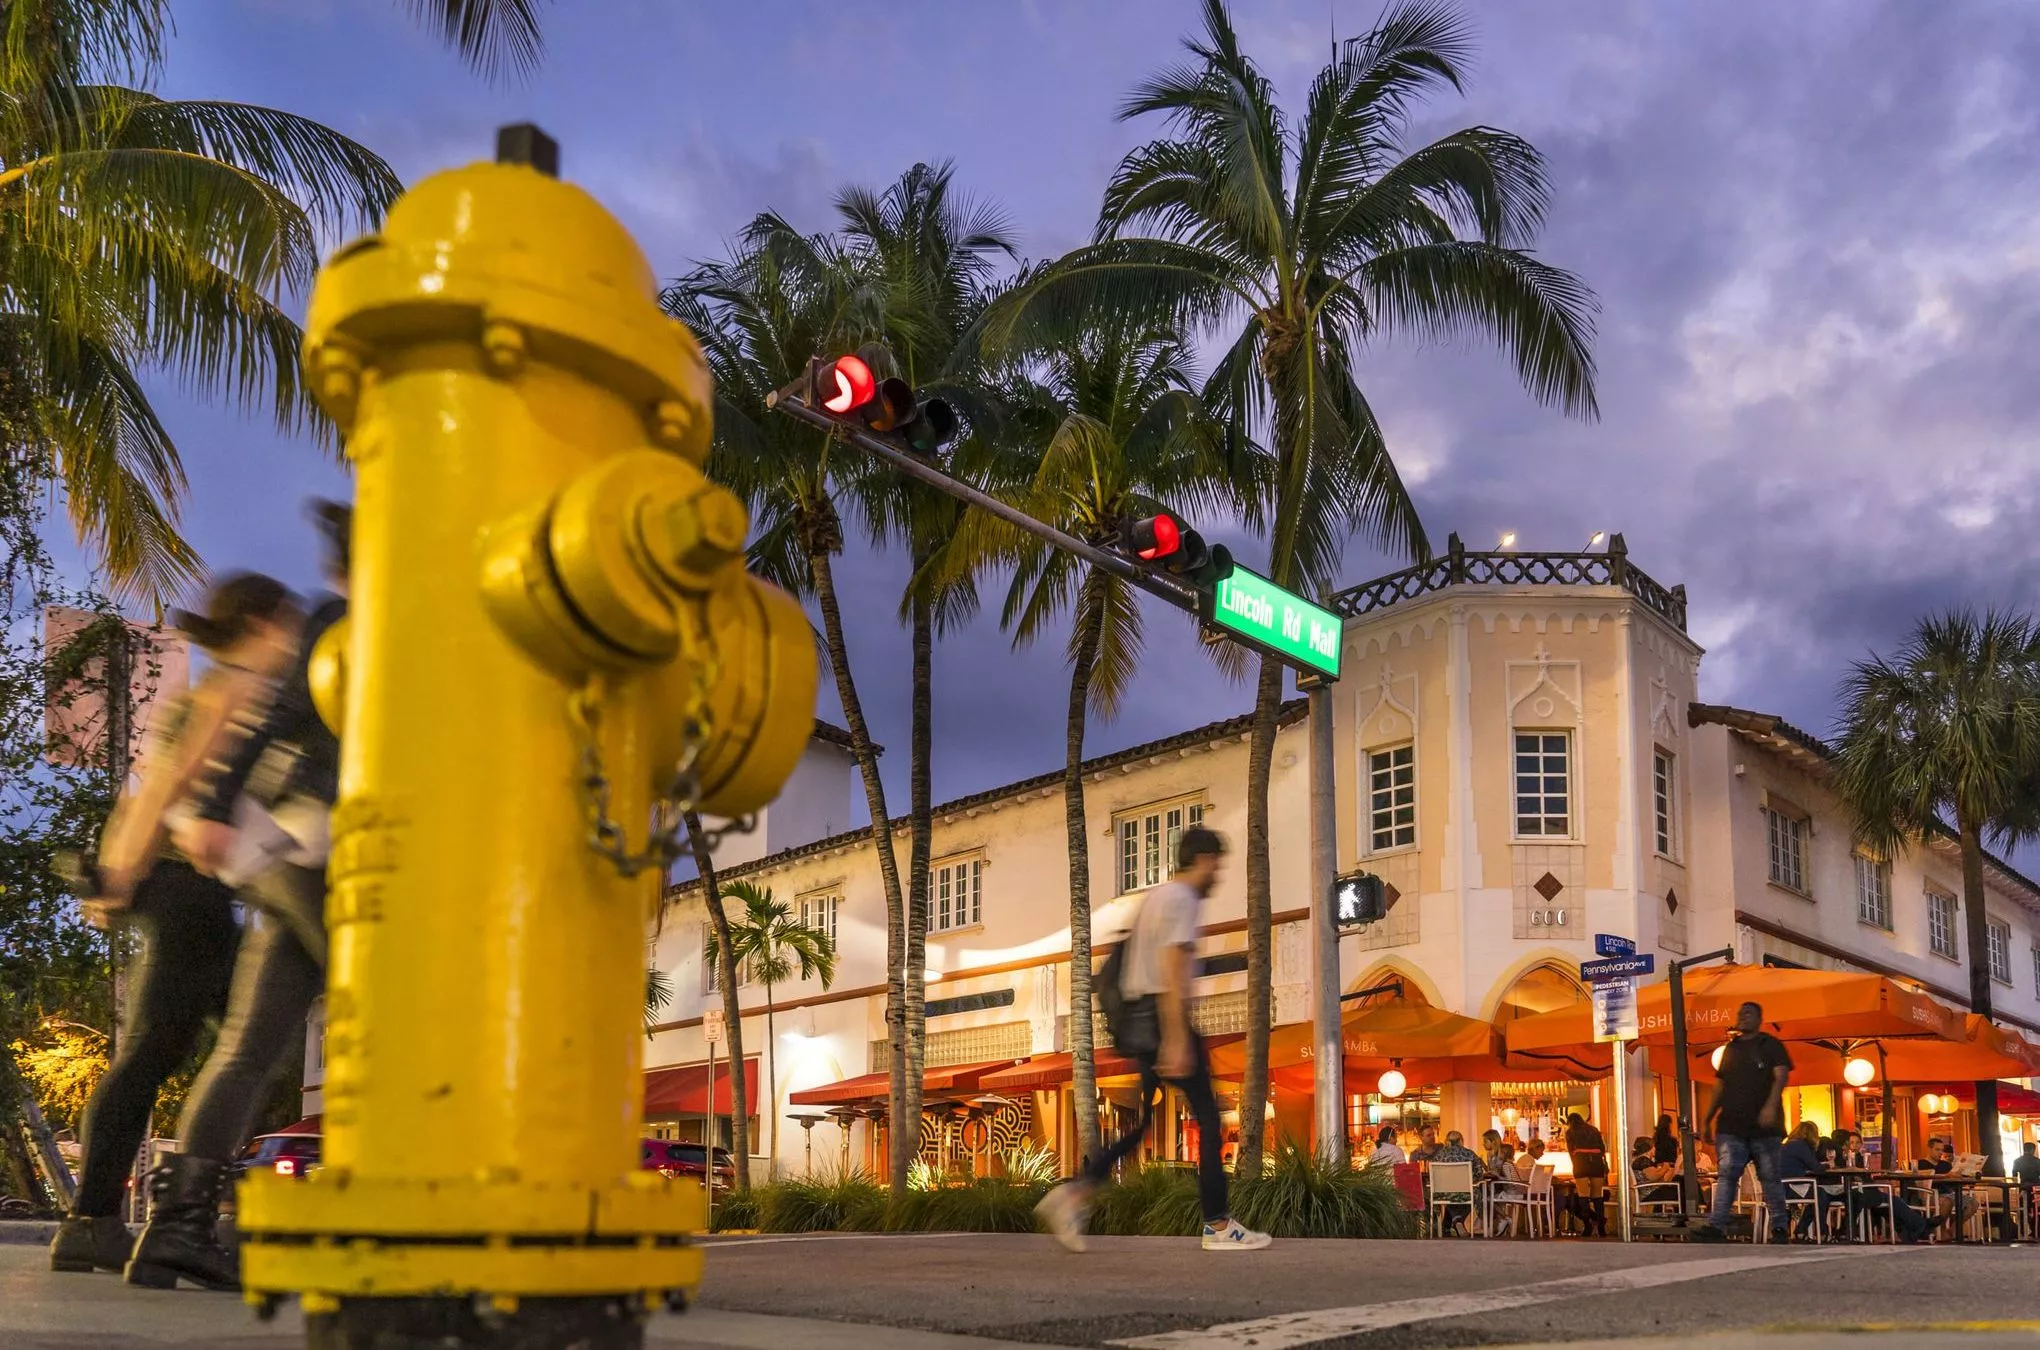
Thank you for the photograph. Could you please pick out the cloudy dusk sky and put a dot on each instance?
(1814, 229)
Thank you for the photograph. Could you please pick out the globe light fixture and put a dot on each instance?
(1715, 1058)
(1858, 1072)
(1393, 1084)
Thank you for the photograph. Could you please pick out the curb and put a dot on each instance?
(27, 1232)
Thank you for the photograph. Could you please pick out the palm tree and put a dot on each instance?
(775, 947)
(759, 317)
(925, 255)
(1948, 734)
(139, 233)
(1112, 432)
(1317, 237)
(658, 993)
(726, 984)
(499, 38)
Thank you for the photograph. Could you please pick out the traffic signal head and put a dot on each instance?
(1180, 550)
(933, 424)
(1154, 539)
(845, 385)
(1358, 898)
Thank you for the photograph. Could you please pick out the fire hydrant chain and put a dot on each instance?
(664, 840)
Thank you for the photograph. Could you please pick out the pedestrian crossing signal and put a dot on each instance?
(1358, 898)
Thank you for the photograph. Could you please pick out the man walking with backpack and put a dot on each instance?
(1149, 1015)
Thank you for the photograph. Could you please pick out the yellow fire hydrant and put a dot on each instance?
(553, 651)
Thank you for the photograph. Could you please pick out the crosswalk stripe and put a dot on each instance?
(1324, 1324)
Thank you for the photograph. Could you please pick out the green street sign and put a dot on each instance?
(1253, 608)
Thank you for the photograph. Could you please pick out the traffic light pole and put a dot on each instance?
(1327, 1034)
(1158, 584)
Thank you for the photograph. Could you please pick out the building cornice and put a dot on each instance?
(1128, 760)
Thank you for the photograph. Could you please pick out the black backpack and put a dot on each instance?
(1134, 1024)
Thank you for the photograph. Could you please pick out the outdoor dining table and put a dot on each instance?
(1851, 1179)
(1946, 1181)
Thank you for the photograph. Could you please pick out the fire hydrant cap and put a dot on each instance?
(524, 265)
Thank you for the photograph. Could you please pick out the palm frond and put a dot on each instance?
(495, 37)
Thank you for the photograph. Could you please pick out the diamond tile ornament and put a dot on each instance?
(1671, 901)
(1389, 893)
(1548, 886)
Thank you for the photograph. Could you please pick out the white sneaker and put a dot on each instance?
(1234, 1238)
(1063, 1212)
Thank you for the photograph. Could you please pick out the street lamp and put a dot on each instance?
(1596, 539)
(1508, 539)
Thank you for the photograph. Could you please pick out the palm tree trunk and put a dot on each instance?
(914, 1025)
(771, 1085)
(1976, 925)
(1260, 926)
(733, 1018)
(1083, 1061)
(821, 570)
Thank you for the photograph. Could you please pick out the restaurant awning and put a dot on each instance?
(1429, 1045)
(950, 1081)
(1054, 1069)
(682, 1089)
(2013, 1100)
(1799, 1005)
(1985, 1050)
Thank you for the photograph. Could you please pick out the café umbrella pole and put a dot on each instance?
(1682, 1071)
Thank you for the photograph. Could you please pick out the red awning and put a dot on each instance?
(1053, 1070)
(2013, 1100)
(682, 1089)
(951, 1080)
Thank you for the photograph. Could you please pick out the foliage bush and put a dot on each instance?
(1299, 1196)
(733, 1210)
(1160, 1200)
(1032, 1163)
(847, 1202)
(985, 1205)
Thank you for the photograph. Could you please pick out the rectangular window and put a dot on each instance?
(1873, 891)
(1543, 783)
(1788, 849)
(2000, 935)
(819, 913)
(1391, 798)
(956, 895)
(1661, 781)
(1147, 842)
(1941, 925)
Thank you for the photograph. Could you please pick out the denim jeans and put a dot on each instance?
(1733, 1152)
(1203, 1104)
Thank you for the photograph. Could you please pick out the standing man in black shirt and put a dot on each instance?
(1747, 1120)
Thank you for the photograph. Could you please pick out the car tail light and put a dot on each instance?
(286, 1167)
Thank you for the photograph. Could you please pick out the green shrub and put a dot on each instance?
(848, 1202)
(1160, 1200)
(1301, 1197)
(1033, 1164)
(733, 1210)
(985, 1205)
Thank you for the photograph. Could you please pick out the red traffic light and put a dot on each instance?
(1155, 537)
(845, 384)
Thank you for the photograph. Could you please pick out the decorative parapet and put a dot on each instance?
(1457, 567)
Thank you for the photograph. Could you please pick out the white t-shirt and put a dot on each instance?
(1168, 918)
(1387, 1155)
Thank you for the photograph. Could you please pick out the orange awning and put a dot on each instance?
(682, 1089)
(1986, 1050)
(1799, 1005)
(1429, 1045)
(1053, 1070)
(951, 1080)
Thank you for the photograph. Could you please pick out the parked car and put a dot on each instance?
(676, 1159)
(287, 1154)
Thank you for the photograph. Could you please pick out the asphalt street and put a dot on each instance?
(984, 1292)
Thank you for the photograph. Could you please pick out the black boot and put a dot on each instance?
(91, 1242)
(180, 1241)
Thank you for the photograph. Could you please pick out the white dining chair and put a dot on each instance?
(1451, 1184)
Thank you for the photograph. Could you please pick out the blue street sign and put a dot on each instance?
(1607, 944)
(1618, 967)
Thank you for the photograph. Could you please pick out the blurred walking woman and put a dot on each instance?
(279, 757)
(184, 918)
